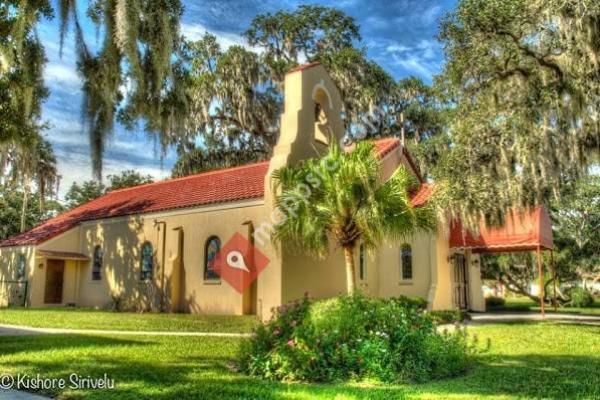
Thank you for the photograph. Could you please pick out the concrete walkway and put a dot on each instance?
(17, 330)
(502, 317)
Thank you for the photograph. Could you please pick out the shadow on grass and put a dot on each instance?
(185, 368)
(57, 343)
(535, 376)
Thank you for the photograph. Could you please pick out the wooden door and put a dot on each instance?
(55, 270)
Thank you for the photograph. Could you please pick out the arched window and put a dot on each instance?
(211, 250)
(362, 262)
(97, 264)
(21, 266)
(147, 261)
(406, 262)
(322, 100)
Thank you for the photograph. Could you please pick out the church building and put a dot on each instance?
(154, 246)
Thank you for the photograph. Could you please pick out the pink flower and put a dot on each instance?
(291, 343)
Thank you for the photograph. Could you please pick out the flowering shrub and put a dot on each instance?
(354, 337)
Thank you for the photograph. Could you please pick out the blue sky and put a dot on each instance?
(399, 35)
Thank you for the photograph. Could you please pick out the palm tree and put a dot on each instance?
(341, 198)
(46, 172)
(27, 160)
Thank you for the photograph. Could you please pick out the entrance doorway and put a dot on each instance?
(460, 282)
(55, 270)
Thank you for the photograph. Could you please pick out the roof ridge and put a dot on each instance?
(302, 67)
(181, 178)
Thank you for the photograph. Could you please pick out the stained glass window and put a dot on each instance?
(21, 265)
(213, 246)
(97, 264)
(147, 261)
(362, 262)
(406, 256)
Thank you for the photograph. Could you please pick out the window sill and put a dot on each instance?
(209, 282)
(405, 283)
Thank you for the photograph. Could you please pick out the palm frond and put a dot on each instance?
(341, 198)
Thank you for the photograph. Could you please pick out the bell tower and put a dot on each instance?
(310, 123)
(311, 119)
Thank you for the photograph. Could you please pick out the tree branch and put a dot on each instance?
(542, 60)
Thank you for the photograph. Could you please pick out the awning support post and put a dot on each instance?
(541, 273)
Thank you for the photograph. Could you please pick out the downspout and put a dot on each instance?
(162, 264)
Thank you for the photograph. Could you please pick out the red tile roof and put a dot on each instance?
(303, 67)
(421, 196)
(525, 230)
(221, 186)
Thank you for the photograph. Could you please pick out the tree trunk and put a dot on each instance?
(350, 278)
(42, 190)
(24, 205)
(512, 285)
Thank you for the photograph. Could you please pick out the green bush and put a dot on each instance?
(354, 338)
(417, 303)
(581, 297)
(440, 317)
(494, 302)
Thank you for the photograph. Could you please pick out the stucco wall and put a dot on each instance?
(320, 278)
(10, 292)
(389, 264)
(440, 293)
(476, 298)
(121, 240)
(68, 241)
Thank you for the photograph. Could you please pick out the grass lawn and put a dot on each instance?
(537, 360)
(525, 304)
(84, 318)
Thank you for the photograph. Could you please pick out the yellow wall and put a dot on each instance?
(440, 292)
(9, 291)
(122, 238)
(476, 299)
(68, 241)
(389, 265)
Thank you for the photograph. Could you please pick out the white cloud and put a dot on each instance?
(76, 167)
(420, 58)
(376, 22)
(225, 39)
(62, 74)
(415, 64)
(431, 15)
(397, 48)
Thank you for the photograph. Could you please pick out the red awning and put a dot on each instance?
(522, 231)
